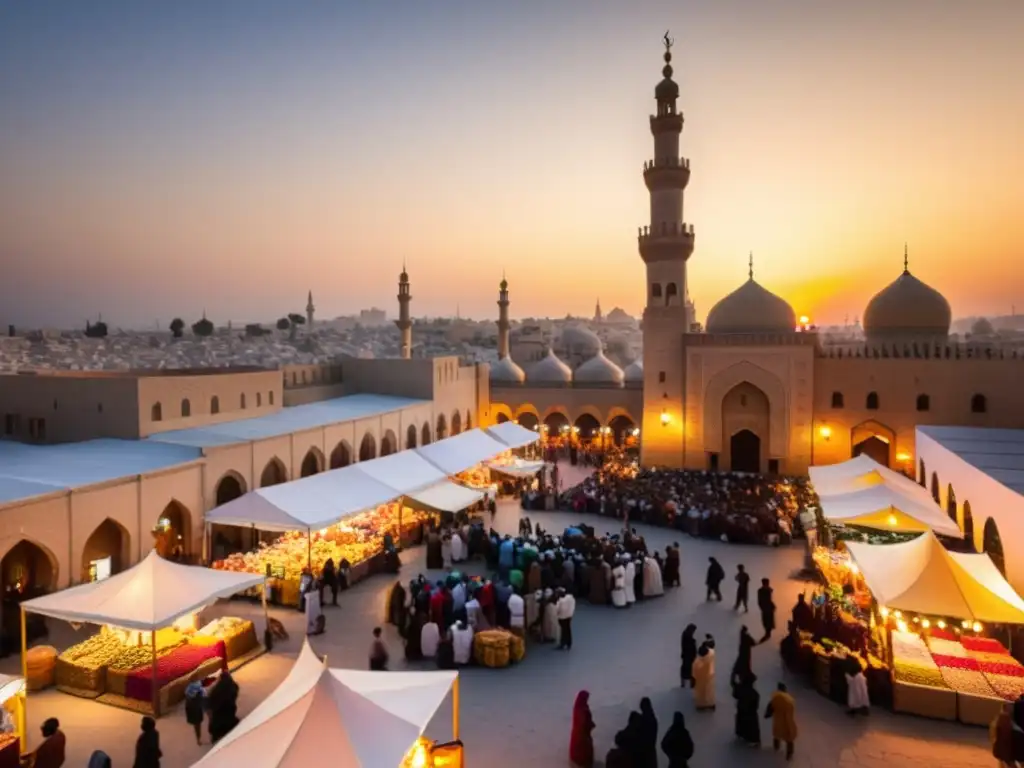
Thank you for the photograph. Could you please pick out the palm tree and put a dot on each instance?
(177, 327)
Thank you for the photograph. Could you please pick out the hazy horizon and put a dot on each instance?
(156, 161)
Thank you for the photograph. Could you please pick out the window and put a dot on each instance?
(295, 378)
(12, 424)
(156, 413)
(773, 466)
(713, 462)
(837, 399)
(303, 377)
(979, 404)
(259, 399)
(661, 377)
(671, 292)
(214, 405)
(55, 404)
(656, 290)
(37, 429)
(186, 408)
(923, 402)
(241, 401)
(872, 401)
(270, 396)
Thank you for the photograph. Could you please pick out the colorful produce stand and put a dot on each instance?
(12, 699)
(150, 645)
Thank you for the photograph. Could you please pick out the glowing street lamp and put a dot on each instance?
(826, 432)
(665, 418)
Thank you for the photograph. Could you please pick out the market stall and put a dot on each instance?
(150, 644)
(859, 473)
(516, 467)
(887, 507)
(367, 719)
(463, 451)
(12, 735)
(513, 435)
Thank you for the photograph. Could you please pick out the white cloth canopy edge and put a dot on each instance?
(447, 496)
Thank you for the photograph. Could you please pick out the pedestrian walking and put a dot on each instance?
(742, 588)
(767, 607)
(378, 652)
(713, 580)
(782, 710)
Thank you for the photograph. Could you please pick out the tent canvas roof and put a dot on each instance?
(405, 471)
(921, 576)
(518, 468)
(466, 449)
(513, 435)
(447, 496)
(369, 719)
(148, 596)
(858, 473)
(886, 507)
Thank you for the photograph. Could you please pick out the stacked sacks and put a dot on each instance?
(496, 648)
(40, 663)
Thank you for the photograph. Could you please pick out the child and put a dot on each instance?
(195, 708)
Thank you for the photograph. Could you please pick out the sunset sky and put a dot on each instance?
(159, 159)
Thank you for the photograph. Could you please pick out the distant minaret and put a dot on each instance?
(404, 321)
(310, 310)
(598, 317)
(503, 323)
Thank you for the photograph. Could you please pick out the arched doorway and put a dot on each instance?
(368, 447)
(442, 427)
(229, 488)
(312, 463)
(501, 418)
(587, 428)
(935, 488)
(745, 452)
(951, 503)
(557, 424)
(173, 531)
(622, 427)
(410, 437)
(106, 551)
(389, 444)
(746, 415)
(273, 474)
(529, 420)
(341, 456)
(992, 545)
(469, 421)
(875, 447)
(425, 434)
(456, 423)
(968, 526)
(922, 475)
(28, 570)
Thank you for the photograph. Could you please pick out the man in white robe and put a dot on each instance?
(630, 580)
(462, 642)
(430, 638)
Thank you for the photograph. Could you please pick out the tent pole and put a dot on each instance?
(23, 709)
(266, 612)
(155, 683)
(455, 709)
(309, 549)
(401, 505)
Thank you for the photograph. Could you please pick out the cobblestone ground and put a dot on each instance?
(520, 716)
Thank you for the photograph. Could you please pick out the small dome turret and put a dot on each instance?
(982, 327)
(505, 371)
(599, 370)
(634, 372)
(580, 340)
(549, 370)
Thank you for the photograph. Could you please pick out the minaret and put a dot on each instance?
(503, 323)
(598, 317)
(404, 321)
(665, 245)
(310, 311)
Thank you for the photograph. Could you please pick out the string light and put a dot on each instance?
(940, 624)
(925, 623)
(885, 612)
(976, 627)
(901, 625)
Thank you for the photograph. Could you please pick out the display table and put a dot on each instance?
(177, 664)
(923, 700)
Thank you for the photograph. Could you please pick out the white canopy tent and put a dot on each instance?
(405, 471)
(466, 449)
(858, 473)
(363, 719)
(148, 596)
(921, 576)
(310, 503)
(447, 496)
(885, 507)
(518, 467)
(513, 435)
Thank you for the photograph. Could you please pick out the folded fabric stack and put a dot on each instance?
(170, 667)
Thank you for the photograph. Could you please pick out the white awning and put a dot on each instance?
(459, 453)
(148, 596)
(310, 503)
(447, 496)
(859, 473)
(365, 718)
(513, 435)
(885, 507)
(517, 468)
(405, 471)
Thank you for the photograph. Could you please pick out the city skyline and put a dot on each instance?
(155, 163)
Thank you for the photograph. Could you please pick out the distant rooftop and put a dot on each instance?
(999, 453)
(36, 470)
(139, 373)
(287, 420)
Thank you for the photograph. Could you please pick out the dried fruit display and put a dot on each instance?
(908, 647)
(967, 681)
(1009, 669)
(918, 674)
(984, 645)
(955, 662)
(941, 647)
(1010, 688)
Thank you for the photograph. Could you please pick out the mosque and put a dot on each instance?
(751, 390)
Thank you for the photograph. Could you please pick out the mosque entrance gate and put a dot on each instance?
(745, 452)
(875, 447)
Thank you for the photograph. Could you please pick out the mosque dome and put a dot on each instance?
(634, 371)
(751, 309)
(982, 327)
(667, 89)
(907, 307)
(505, 371)
(599, 370)
(579, 339)
(549, 370)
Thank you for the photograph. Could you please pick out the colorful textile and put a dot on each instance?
(984, 645)
(942, 647)
(955, 662)
(175, 664)
(1010, 670)
(1006, 686)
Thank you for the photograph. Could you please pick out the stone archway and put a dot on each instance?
(992, 545)
(874, 447)
(274, 473)
(765, 413)
(173, 530)
(441, 431)
(341, 456)
(229, 488)
(28, 569)
(528, 420)
(312, 463)
(746, 419)
(425, 434)
(587, 427)
(501, 418)
(557, 424)
(922, 474)
(873, 439)
(622, 427)
(935, 488)
(410, 437)
(968, 526)
(745, 452)
(368, 447)
(388, 444)
(107, 551)
(951, 503)
(456, 423)
(469, 421)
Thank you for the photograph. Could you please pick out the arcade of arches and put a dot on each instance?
(312, 463)
(107, 551)
(389, 444)
(28, 569)
(587, 427)
(341, 456)
(273, 474)
(173, 531)
(368, 448)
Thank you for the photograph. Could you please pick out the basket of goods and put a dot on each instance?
(40, 665)
(516, 648)
(491, 648)
(82, 669)
(239, 636)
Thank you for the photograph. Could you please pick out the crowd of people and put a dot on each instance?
(734, 507)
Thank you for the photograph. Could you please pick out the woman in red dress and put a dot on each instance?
(581, 743)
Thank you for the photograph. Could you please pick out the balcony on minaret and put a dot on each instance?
(667, 173)
(667, 122)
(667, 242)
